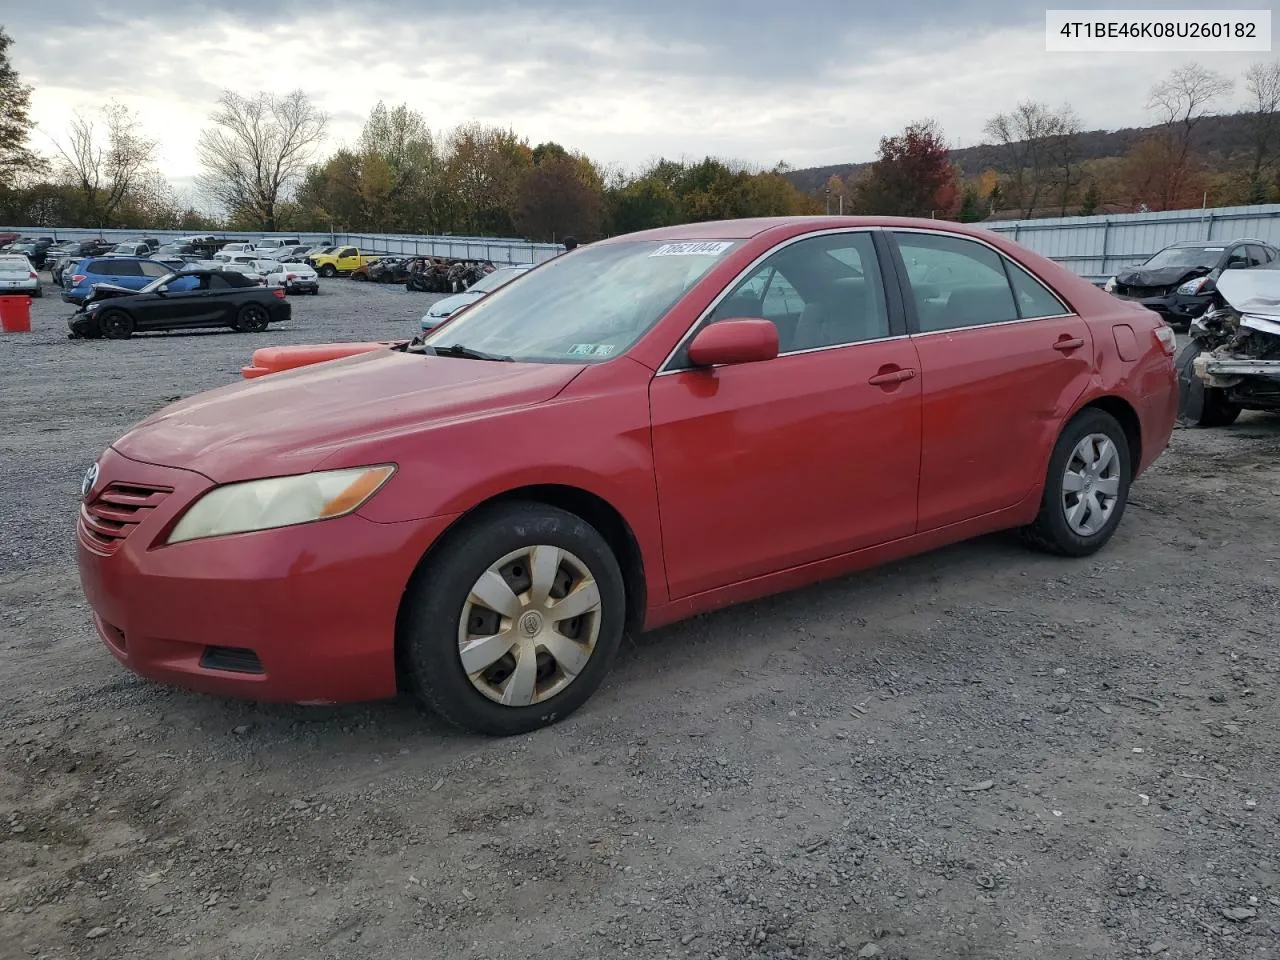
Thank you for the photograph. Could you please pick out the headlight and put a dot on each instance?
(1192, 287)
(1110, 285)
(280, 502)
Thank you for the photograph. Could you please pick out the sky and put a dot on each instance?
(806, 82)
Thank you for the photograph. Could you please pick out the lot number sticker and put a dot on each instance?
(693, 248)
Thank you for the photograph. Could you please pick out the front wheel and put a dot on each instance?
(115, 325)
(1198, 403)
(252, 318)
(329, 271)
(1086, 488)
(513, 623)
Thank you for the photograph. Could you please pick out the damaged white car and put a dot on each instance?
(1232, 361)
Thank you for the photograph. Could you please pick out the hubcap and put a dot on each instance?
(1091, 484)
(529, 625)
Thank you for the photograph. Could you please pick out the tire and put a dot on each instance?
(1105, 495)
(329, 271)
(1198, 404)
(39, 292)
(252, 318)
(116, 325)
(440, 595)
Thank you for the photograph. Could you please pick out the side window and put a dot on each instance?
(124, 268)
(98, 267)
(347, 252)
(152, 269)
(1033, 297)
(1256, 257)
(1237, 259)
(822, 291)
(956, 282)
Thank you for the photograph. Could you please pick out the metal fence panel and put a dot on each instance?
(1097, 247)
(498, 250)
(1094, 247)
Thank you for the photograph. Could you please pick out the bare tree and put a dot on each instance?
(1181, 101)
(1065, 148)
(1039, 142)
(258, 149)
(1262, 80)
(107, 162)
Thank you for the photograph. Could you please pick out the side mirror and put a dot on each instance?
(163, 288)
(738, 340)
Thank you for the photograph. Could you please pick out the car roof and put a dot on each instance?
(748, 227)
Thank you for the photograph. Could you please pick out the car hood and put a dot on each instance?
(1160, 277)
(442, 308)
(108, 291)
(1255, 295)
(290, 422)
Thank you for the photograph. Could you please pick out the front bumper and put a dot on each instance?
(1174, 308)
(301, 614)
(83, 325)
(1226, 372)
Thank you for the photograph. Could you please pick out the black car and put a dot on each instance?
(1178, 282)
(192, 298)
(391, 270)
(34, 249)
(74, 253)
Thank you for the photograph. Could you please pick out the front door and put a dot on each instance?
(766, 466)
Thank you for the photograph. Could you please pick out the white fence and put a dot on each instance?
(498, 250)
(1096, 247)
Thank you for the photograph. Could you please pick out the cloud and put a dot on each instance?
(807, 81)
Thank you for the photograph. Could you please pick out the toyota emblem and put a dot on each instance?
(90, 478)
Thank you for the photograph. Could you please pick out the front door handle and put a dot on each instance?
(1066, 343)
(888, 375)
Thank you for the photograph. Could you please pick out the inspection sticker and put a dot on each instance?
(591, 349)
(693, 248)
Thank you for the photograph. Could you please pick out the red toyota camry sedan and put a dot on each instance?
(643, 429)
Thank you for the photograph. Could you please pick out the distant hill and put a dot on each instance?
(1221, 141)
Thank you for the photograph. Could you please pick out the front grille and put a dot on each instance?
(1127, 291)
(114, 513)
(231, 659)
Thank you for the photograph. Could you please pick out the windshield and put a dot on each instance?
(156, 284)
(1185, 257)
(500, 277)
(584, 307)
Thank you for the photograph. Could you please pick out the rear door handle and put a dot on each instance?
(891, 376)
(1068, 343)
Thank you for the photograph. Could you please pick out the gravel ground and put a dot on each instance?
(983, 752)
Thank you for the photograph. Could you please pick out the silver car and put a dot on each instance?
(17, 275)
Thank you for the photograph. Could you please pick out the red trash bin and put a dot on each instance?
(15, 314)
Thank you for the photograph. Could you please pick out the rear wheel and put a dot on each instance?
(39, 292)
(115, 324)
(252, 318)
(514, 622)
(1086, 487)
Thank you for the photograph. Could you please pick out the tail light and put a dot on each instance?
(78, 279)
(33, 275)
(1168, 339)
(278, 293)
(291, 276)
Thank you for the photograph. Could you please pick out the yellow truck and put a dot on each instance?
(341, 260)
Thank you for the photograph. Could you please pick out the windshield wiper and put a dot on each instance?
(458, 350)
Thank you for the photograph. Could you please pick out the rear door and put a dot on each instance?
(1002, 362)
